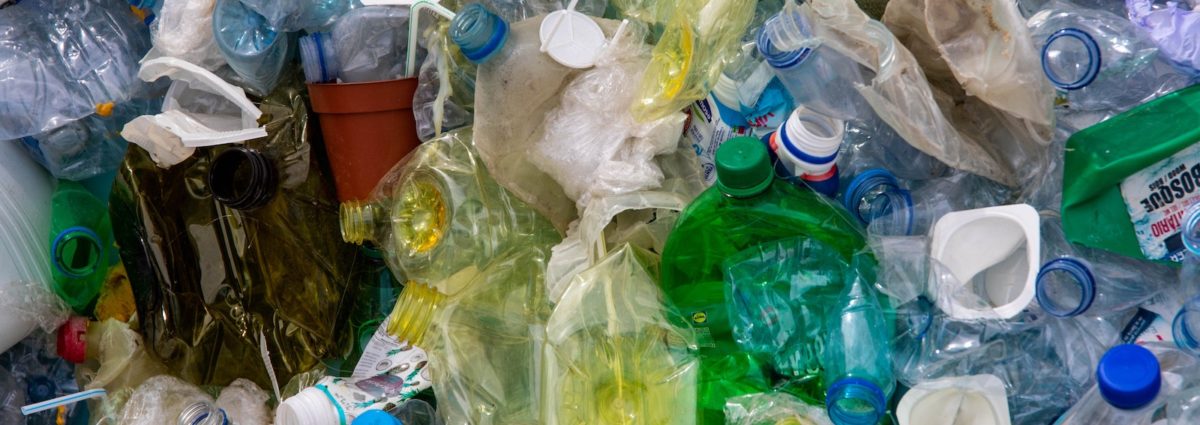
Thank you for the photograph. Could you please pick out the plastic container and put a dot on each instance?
(992, 254)
(1128, 379)
(819, 78)
(25, 191)
(368, 128)
(967, 400)
(807, 146)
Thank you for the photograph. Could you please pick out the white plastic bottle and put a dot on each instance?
(25, 191)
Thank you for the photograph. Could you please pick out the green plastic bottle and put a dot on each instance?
(1128, 180)
(80, 245)
(747, 206)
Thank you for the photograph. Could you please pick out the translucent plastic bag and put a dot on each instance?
(183, 29)
(592, 144)
(161, 400)
(773, 408)
(614, 354)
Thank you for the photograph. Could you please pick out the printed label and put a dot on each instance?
(706, 131)
(1138, 325)
(383, 353)
(1157, 198)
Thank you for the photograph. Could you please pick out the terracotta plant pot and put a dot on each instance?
(368, 128)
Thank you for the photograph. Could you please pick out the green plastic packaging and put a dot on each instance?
(80, 245)
(1128, 180)
(747, 206)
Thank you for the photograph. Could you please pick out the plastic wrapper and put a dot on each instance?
(445, 93)
(509, 118)
(1172, 28)
(773, 408)
(486, 342)
(62, 58)
(592, 144)
(160, 400)
(699, 39)
(183, 29)
(119, 364)
(245, 403)
(217, 287)
(614, 353)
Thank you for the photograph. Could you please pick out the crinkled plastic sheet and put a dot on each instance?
(213, 282)
(773, 408)
(160, 400)
(61, 58)
(245, 403)
(183, 29)
(615, 352)
(34, 302)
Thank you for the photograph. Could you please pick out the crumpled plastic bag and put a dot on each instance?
(33, 302)
(1173, 28)
(592, 144)
(973, 137)
(773, 408)
(183, 29)
(614, 352)
(160, 400)
(245, 403)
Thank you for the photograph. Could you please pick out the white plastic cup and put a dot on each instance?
(993, 252)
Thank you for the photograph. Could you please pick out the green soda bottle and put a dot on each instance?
(747, 206)
(80, 245)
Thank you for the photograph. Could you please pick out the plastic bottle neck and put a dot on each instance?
(1071, 59)
(414, 312)
(478, 32)
(203, 413)
(783, 39)
(319, 58)
(243, 178)
(809, 142)
(362, 222)
(855, 401)
(77, 252)
(875, 194)
(1065, 271)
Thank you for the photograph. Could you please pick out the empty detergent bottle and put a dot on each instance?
(81, 245)
(1099, 60)
(1134, 175)
(746, 207)
(807, 146)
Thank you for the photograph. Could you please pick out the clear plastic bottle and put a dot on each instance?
(818, 78)
(857, 360)
(1100, 60)
(256, 52)
(366, 44)
(1129, 380)
(295, 15)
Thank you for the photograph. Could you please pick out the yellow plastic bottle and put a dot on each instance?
(701, 37)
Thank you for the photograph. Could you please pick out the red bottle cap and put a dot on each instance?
(72, 339)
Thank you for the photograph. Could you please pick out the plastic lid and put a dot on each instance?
(376, 417)
(310, 407)
(743, 167)
(1128, 376)
(1080, 284)
(478, 32)
(1071, 59)
(72, 339)
(76, 252)
(571, 38)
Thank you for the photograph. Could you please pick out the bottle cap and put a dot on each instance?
(310, 407)
(743, 167)
(571, 38)
(478, 32)
(72, 339)
(376, 417)
(1128, 376)
(76, 252)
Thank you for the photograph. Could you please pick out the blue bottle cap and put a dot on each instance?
(478, 32)
(1128, 376)
(376, 417)
(826, 184)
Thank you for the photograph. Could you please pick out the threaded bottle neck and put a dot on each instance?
(359, 222)
(413, 313)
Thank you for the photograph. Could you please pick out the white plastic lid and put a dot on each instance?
(571, 38)
(309, 407)
(966, 400)
(996, 249)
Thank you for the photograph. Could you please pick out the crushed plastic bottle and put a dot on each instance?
(81, 245)
(256, 52)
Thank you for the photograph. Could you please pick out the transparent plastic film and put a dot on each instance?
(183, 29)
(438, 212)
(701, 37)
(614, 354)
(777, 408)
(255, 253)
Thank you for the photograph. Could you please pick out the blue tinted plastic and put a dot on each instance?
(254, 51)
(858, 356)
(1128, 376)
(478, 32)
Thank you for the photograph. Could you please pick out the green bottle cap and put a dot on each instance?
(743, 167)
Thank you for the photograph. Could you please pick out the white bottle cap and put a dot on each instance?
(808, 142)
(996, 249)
(571, 38)
(309, 407)
(965, 400)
